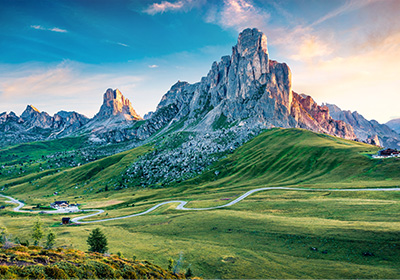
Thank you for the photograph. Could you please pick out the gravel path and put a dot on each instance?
(181, 205)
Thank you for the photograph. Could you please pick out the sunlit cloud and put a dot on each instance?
(153, 66)
(311, 47)
(238, 14)
(53, 29)
(367, 82)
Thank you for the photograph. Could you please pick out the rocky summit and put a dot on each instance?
(245, 88)
(115, 104)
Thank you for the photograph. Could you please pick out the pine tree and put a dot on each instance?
(97, 241)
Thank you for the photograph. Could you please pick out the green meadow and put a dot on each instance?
(270, 234)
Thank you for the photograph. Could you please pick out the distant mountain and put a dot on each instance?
(115, 117)
(61, 124)
(34, 125)
(115, 104)
(116, 113)
(394, 124)
(367, 131)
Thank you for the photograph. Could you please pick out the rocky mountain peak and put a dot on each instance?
(251, 41)
(115, 104)
(31, 111)
(32, 108)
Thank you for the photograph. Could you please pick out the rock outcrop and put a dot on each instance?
(370, 132)
(308, 114)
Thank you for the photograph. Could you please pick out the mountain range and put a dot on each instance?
(246, 91)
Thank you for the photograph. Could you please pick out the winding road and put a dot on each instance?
(182, 203)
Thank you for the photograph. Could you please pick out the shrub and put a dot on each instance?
(54, 272)
(34, 272)
(71, 270)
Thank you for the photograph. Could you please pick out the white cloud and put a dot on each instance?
(153, 66)
(116, 43)
(165, 6)
(66, 86)
(238, 14)
(349, 6)
(122, 44)
(53, 29)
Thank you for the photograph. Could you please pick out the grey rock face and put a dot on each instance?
(367, 131)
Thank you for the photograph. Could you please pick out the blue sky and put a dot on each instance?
(64, 54)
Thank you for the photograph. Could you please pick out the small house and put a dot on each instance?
(60, 204)
(389, 152)
(65, 220)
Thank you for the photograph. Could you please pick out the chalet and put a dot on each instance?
(65, 220)
(388, 152)
(60, 204)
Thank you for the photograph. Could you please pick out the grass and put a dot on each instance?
(268, 235)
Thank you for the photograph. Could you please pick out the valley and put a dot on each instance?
(268, 234)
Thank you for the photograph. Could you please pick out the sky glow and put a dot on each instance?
(63, 55)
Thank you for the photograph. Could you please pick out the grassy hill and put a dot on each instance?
(272, 234)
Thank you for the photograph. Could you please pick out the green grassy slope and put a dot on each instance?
(267, 235)
(295, 156)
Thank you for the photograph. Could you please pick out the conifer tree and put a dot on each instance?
(97, 241)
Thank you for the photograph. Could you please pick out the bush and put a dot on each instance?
(71, 270)
(54, 272)
(34, 272)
